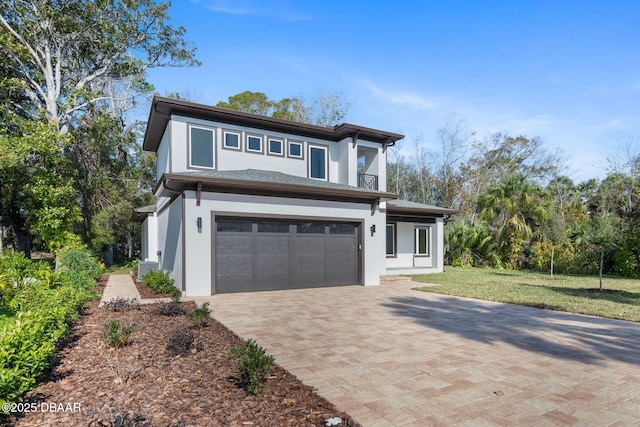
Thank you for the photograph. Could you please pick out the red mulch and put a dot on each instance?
(142, 385)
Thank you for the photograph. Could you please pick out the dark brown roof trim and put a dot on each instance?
(162, 109)
(178, 182)
(430, 210)
(141, 213)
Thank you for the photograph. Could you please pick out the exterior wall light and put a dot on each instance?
(373, 230)
(199, 223)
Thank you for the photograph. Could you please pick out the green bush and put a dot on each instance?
(160, 282)
(38, 306)
(200, 315)
(254, 365)
(116, 335)
(79, 267)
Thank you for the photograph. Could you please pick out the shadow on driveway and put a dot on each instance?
(581, 338)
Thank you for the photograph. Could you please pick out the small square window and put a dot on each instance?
(275, 147)
(254, 143)
(232, 140)
(295, 150)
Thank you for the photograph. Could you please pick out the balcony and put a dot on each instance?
(367, 181)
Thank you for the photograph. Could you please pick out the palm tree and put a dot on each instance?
(515, 207)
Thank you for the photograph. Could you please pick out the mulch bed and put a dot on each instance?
(146, 291)
(142, 385)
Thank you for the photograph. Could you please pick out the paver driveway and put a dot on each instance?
(389, 355)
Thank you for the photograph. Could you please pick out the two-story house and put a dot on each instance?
(248, 203)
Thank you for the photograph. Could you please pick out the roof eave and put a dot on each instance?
(262, 187)
(162, 109)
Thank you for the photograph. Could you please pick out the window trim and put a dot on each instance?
(416, 243)
(301, 144)
(393, 225)
(282, 147)
(325, 148)
(225, 132)
(189, 149)
(246, 143)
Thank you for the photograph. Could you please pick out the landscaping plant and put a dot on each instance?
(160, 282)
(116, 335)
(200, 315)
(182, 341)
(37, 306)
(254, 365)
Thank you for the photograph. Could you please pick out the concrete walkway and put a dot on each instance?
(388, 355)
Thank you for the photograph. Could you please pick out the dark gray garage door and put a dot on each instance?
(260, 255)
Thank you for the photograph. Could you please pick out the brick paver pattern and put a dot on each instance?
(389, 355)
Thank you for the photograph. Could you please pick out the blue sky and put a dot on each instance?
(565, 71)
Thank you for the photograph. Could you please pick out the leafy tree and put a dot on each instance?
(325, 110)
(68, 55)
(603, 232)
(515, 207)
(36, 195)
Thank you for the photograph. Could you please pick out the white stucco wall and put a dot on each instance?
(150, 238)
(405, 262)
(198, 256)
(342, 155)
(170, 240)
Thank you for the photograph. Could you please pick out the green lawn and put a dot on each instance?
(563, 293)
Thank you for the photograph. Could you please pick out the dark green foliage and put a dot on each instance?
(160, 282)
(34, 316)
(116, 335)
(254, 365)
(181, 341)
(200, 315)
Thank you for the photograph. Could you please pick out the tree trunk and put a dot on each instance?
(552, 254)
(601, 265)
(24, 243)
(1, 237)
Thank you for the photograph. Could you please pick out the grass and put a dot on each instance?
(563, 293)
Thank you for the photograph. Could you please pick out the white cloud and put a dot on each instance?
(278, 9)
(395, 99)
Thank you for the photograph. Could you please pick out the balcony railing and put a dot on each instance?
(368, 181)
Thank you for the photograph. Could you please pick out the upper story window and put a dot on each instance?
(231, 140)
(201, 147)
(254, 144)
(295, 150)
(318, 162)
(276, 147)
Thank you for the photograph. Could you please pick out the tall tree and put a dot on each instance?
(65, 54)
(324, 110)
(515, 207)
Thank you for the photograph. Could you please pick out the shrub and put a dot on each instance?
(160, 282)
(38, 312)
(122, 304)
(254, 365)
(173, 308)
(116, 335)
(79, 268)
(182, 341)
(200, 315)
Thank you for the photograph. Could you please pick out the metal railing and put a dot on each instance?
(368, 181)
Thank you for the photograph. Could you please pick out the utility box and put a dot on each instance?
(146, 266)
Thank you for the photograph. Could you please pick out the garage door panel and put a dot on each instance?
(272, 269)
(285, 255)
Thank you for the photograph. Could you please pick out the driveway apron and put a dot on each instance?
(389, 355)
